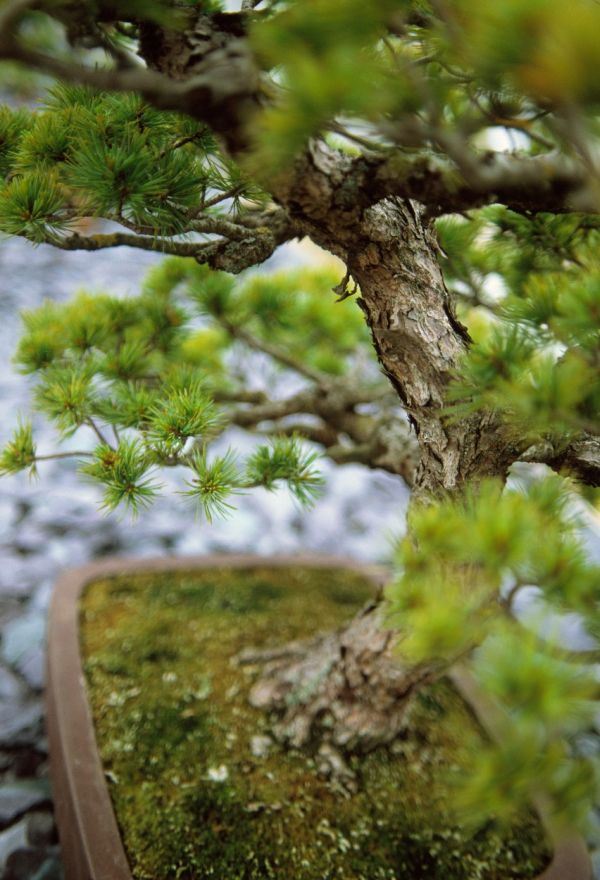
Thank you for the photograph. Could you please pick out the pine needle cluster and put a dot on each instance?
(536, 354)
(145, 376)
(88, 154)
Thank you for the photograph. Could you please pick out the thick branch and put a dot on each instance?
(581, 458)
(390, 249)
(228, 255)
(219, 85)
(384, 441)
(549, 182)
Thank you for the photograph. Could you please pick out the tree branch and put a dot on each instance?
(251, 249)
(274, 351)
(581, 458)
(549, 182)
(221, 90)
(383, 440)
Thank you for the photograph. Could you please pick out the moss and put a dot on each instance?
(174, 729)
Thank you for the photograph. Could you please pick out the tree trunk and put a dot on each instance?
(347, 690)
(344, 689)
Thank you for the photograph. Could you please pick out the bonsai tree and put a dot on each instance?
(447, 154)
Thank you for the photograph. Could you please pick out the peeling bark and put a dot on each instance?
(340, 692)
(390, 248)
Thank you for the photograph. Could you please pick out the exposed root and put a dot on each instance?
(338, 693)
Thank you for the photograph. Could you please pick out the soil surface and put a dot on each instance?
(201, 790)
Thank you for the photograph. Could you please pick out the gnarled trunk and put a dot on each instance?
(345, 690)
(348, 690)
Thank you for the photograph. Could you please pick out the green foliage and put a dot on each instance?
(542, 47)
(33, 206)
(213, 482)
(536, 361)
(464, 67)
(290, 308)
(183, 413)
(285, 459)
(123, 473)
(461, 567)
(152, 366)
(19, 452)
(112, 156)
(321, 52)
(13, 124)
(124, 179)
(66, 396)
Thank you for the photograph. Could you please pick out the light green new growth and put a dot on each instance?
(157, 388)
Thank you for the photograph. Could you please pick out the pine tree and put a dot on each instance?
(472, 280)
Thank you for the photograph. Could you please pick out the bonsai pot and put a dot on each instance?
(91, 841)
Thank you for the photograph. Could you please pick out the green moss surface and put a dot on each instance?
(175, 729)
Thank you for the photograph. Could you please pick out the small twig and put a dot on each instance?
(372, 146)
(239, 396)
(220, 197)
(92, 424)
(55, 455)
(188, 139)
(274, 351)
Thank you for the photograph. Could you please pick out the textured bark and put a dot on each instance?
(340, 692)
(581, 458)
(390, 249)
(213, 55)
(347, 691)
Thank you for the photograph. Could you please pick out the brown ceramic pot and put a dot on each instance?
(90, 839)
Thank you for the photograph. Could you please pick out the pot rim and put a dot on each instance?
(92, 848)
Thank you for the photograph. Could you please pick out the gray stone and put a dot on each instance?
(20, 723)
(10, 608)
(22, 638)
(33, 668)
(11, 688)
(28, 539)
(12, 839)
(20, 574)
(40, 601)
(41, 828)
(17, 798)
